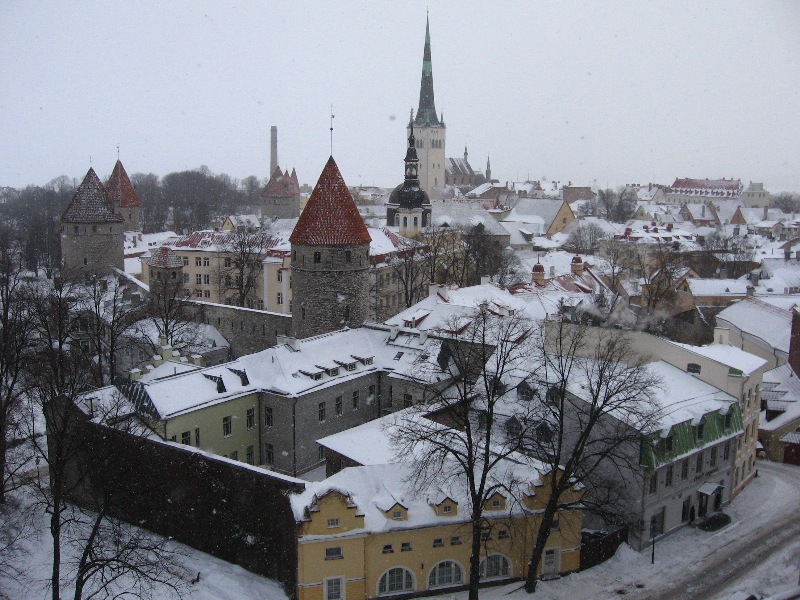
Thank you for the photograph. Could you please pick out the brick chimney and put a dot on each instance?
(794, 343)
(538, 273)
(577, 265)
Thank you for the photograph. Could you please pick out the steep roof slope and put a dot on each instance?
(120, 189)
(330, 217)
(90, 204)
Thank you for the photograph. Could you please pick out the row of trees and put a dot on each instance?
(508, 370)
(58, 339)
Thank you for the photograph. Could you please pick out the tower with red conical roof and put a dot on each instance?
(92, 234)
(330, 260)
(124, 200)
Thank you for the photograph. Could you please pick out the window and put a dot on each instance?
(713, 460)
(321, 412)
(486, 535)
(653, 483)
(555, 525)
(728, 419)
(685, 509)
(206, 293)
(250, 455)
(186, 437)
(334, 553)
(387, 549)
(397, 515)
(408, 400)
(693, 368)
(668, 478)
(447, 508)
(227, 262)
(699, 463)
(700, 431)
(185, 278)
(334, 588)
(446, 573)
(207, 279)
(356, 399)
(726, 451)
(269, 454)
(438, 542)
(251, 418)
(206, 261)
(234, 455)
(333, 523)
(321, 453)
(197, 436)
(405, 547)
(503, 533)
(280, 275)
(455, 540)
(280, 298)
(338, 406)
(494, 566)
(198, 279)
(685, 469)
(227, 426)
(268, 418)
(396, 580)
(317, 257)
(348, 256)
(495, 503)
(198, 262)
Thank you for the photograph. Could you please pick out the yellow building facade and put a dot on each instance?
(350, 547)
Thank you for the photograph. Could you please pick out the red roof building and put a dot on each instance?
(330, 216)
(120, 189)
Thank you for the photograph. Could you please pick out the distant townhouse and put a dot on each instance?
(694, 191)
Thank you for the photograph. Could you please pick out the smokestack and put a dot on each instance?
(273, 150)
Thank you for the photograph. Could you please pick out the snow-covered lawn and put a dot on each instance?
(772, 498)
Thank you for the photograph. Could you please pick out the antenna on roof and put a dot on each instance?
(332, 115)
(90, 160)
(117, 151)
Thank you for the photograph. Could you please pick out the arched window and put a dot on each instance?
(396, 581)
(446, 573)
(494, 567)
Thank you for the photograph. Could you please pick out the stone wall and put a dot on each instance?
(330, 288)
(247, 330)
(92, 249)
(233, 511)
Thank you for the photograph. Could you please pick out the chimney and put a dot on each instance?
(538, 273)
(766, 214)
(794, 342)
(703, 211)
(273, 150)
(552, 272)
(669, 226)
(750, 290)
(722, 335)
(577, 265)
(486, 279)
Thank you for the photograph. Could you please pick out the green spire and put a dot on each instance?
(426, 114)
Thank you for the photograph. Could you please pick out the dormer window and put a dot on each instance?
(333, 523)
(397, 515)
(447, 509)
(700, 431)
(398, 356)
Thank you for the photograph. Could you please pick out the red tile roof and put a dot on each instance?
(165, 258)
(733, 185)
(90, 204)
(281, 185)
(331, 216)
(120, 189)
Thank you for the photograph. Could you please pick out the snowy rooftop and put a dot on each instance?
(760, 319)
(781, 390)
(728, 355)
(718, 287)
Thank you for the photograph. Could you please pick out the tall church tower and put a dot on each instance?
(330, 260)
(429, 129)
(409, 206)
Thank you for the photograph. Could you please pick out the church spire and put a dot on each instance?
(426, 114)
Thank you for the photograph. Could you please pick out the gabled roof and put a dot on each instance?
(165, 258)
(120, 189)
(458, 167)
(728, 186)
(330, 217)
(90, 204)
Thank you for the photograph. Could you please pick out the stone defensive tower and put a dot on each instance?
(92, 234)
(124, 200)
(330, 260)
(429, 128)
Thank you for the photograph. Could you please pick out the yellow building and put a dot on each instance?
(366, 532)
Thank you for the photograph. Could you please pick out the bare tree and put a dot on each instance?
(593, 395)
(15, 349)
(241, 268)
(452, 434)
(586, 238)
(408, 262)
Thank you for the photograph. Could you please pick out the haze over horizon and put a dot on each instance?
(594, 93)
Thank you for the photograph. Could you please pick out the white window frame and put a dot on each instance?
(453, 583)
(342, 588)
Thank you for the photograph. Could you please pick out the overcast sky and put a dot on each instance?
(605, 92)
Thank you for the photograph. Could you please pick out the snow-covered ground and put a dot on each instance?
(764, 516)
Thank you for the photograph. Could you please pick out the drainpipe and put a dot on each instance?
(294, 438)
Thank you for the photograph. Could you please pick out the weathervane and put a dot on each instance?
(117, 151)
(332, 115)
